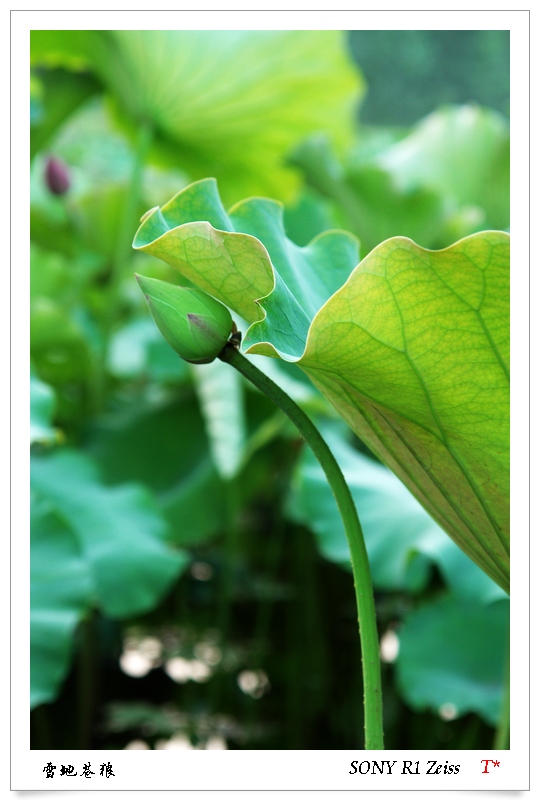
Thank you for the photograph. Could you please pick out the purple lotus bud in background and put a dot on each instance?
(57, 176)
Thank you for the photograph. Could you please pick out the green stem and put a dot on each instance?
(360, 564)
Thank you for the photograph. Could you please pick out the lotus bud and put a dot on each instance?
(195, 324)
(57, 176)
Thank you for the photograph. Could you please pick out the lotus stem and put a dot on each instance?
(371, 668)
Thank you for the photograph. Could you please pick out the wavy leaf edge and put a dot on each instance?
(257, 348)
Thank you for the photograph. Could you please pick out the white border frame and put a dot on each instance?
(275, 770)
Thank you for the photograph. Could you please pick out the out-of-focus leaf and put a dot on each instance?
(452, 657)
(462, 152)
(101, 162)
(229, 103)
(49, 273)
(61, 280)
(138, 350)
(36, 100)
(94, 147)
(42, 403)
(372, 205)
(165, 447)
(430, 185)
(411, 346)
(401, 538)
(62, 49)
(309, 216)
(65, 339)
(119, 530)
(463, 577)
(61, 93)
(98, 215)
(410, 72)
(61, 586)
(100, 153)
(195, 507)
(222, 404)
(155, 444)
(59, 346)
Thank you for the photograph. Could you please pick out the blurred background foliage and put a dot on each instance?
(190, 577)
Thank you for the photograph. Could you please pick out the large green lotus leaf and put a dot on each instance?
(119, 531)
(229, 103)
(411, 346)
(452, 657)
(414, 351)
(402, 540)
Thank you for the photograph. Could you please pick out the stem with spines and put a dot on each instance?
(360, 564)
